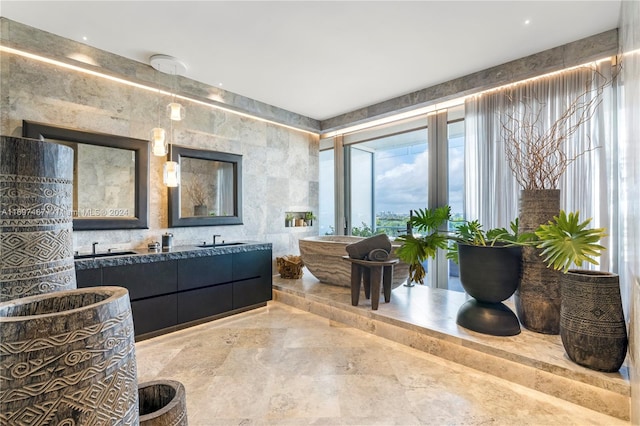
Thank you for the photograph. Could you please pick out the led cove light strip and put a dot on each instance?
(449, 104)
(143, 87)
(351, 129)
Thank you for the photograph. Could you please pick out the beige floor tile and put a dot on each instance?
(278, 365)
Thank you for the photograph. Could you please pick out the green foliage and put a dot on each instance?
(365, 231)
(471, 233)
(417, 248)
(430, 220)
(566, 240)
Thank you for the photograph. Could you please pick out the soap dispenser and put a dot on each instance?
(167, 241)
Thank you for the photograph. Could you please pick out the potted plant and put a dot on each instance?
(592, 325)
(489, 262)
(288, 219)
(308, 218)
(490, 265)
(197, 192)
(538, 156)
(424, 244)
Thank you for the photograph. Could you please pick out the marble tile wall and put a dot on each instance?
(629, 183)
(280, 165)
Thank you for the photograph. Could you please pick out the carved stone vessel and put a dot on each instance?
(36, 196)
(592, 324)
(162, 403)
(537, 298)
(68, 358)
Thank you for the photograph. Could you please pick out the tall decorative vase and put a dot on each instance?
(592, 325)
(68, 358)
(200, 210)
(537, 298)
(36, 201)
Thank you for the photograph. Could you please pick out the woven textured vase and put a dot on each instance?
(592, 325)
(162, 403)
(36, 199)
(537, 298)
(68, 358)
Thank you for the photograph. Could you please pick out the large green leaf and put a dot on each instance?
(430, 220)
(566, 241)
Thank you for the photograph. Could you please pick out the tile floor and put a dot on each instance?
(281, 365)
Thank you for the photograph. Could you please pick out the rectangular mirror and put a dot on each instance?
(210, 190)
(110, 176)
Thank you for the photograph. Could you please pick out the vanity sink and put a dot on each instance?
(108, 254)
(220, 245)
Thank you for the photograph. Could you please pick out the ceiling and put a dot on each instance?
(322, 59)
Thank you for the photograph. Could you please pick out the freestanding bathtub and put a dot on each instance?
(323, 258)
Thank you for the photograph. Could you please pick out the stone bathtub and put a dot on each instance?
(323, 258)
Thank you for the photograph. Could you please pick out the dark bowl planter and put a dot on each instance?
(592, 325)
(489, 274)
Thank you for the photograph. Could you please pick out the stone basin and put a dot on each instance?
(322, 255)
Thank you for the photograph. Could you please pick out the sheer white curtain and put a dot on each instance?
(589, 184)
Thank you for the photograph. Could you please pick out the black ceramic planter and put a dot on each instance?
(489, 274)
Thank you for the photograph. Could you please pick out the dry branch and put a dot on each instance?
(537, 152)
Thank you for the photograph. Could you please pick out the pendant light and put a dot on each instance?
(158, 140)
(171, 169)
(175, 110)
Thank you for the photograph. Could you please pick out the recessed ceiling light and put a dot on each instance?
(527, 21)
(220, 84)
(85, 38)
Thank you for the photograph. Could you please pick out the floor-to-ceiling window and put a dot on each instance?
(394, 169)
(326, 215)
(455, 181)
(388, 179)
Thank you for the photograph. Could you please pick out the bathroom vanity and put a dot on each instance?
(184, 286)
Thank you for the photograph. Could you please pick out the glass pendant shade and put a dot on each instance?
(158, 140)
(171, 174)
(176, 111)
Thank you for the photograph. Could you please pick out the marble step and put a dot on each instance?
(425, 319)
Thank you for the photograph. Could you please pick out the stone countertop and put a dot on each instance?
(178, 252)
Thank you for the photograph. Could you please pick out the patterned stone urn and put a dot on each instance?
(68, 358)
(162, 403)
(36, 189)
(592, 325)
(537, 298)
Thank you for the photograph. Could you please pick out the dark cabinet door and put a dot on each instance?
(154, 313)
(249, 292)
(252, 264)
(143, 280)
(200, 272)
(89, 278)
(252, 278)
(204, 302)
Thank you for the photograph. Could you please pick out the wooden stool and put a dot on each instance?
(371, 274)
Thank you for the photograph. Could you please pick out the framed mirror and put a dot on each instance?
(110, 176)
(210, 190)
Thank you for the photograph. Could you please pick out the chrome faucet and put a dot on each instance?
(93, 249)
(214, 238)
